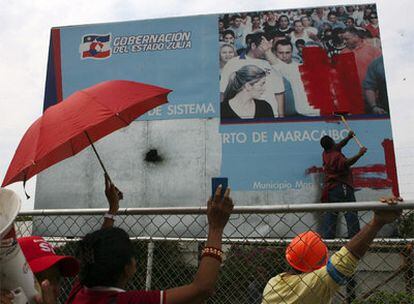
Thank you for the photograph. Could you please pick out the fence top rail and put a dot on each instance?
(286, 208)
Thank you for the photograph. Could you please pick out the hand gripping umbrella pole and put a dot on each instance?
(119, 193)
(97, 155)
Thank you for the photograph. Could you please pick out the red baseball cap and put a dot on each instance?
(40, 255)
(307, 252)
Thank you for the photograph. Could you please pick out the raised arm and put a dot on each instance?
(360, 243)
(218, 213)
(343, 142)
(113, 195)
(350, 161)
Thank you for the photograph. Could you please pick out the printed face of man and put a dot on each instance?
(349, 22)
(271, 17)
(221, 25)
(332, 18)
(283, 22)
(228, 38)
(373, 19)
(256, 21)
(306, 22)
(284, 53)
(351, 40)
(237, 22)
(299, 27)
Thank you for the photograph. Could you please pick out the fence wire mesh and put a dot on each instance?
(169, 244)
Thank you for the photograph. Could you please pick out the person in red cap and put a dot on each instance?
(49, 267)
(45, 263)
(315, 278)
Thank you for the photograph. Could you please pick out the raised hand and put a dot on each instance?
(219, 209)
(113, 195)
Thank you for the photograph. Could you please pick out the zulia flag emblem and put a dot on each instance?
(95, 46)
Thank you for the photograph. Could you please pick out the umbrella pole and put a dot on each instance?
(97, 155)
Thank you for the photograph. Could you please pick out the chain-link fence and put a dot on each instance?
(169, 244)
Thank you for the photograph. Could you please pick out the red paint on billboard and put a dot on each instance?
(331, 85)
(57, 63)
(390, 164)
(376, 176)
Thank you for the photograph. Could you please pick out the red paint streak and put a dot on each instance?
(331, 85)
(57, 63)
(315, 76)
(347, 85)
(359, 173)
(390, 164)
(371, 182)
(360, 179)
(378, 168)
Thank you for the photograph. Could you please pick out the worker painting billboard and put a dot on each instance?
(253, 94)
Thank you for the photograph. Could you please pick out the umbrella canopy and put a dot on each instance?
(63, 129)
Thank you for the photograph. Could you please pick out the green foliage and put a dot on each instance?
(383, 297)
(170, 269)
(245, 272)
(406, 225)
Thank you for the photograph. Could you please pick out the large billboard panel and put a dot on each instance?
(253, 94)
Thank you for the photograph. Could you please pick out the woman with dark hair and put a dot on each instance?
(108, 264)
(243, 93)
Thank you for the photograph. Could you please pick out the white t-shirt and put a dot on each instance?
(274, 81)
(304, 37)
(292, 74)
(311, 30)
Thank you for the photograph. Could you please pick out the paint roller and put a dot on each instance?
(342, 115)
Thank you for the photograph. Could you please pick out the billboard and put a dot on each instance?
(253, 93)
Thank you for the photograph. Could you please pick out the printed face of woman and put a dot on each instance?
(256, 88)
(226, 53)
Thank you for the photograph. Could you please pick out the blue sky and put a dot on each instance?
(25, 39)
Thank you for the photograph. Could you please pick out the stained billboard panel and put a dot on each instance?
(253, 93)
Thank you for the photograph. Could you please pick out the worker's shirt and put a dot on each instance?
(336, 169)
(316, 287)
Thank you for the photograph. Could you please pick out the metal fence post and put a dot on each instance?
(150, 260)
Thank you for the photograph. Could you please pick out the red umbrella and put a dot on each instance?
(81, 119)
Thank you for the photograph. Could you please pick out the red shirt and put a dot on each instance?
(335, 168)
(110, 295)
(364, 55)
(374, 30)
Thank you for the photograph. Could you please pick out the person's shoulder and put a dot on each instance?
(277, 279)
(261, 63)
(232, 65)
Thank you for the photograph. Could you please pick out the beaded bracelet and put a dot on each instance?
(212, 252)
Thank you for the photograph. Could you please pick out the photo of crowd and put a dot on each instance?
(261, 54)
